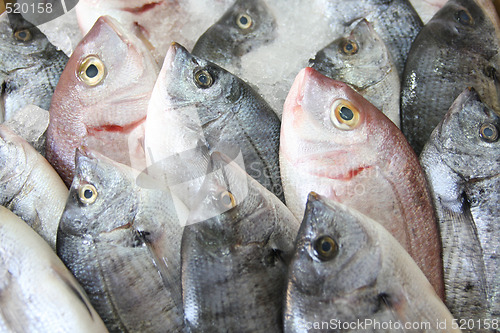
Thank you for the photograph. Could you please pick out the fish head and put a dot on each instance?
(102, 197)
(361, 58)
(464, 24)
(326, 120)
(245, 26)
(333, 247)
(469, 135)
(108, 69)
(21, 44)
(189, 81)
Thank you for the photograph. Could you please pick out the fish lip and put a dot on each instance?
(113, 128)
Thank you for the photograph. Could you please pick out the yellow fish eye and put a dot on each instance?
(350, 47)
(244, 21)
(325, 248)
(227, 200)
(87, 194)
(488, 132)
(23, 35)
(344, 115)
(203, 79)
(91, 70)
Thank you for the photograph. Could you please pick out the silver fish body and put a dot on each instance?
(122, 243)
(458, 47)
(234, 263)
(38, 293)
(362, 60)
(195, 101)
(29, 186)
(462, 165)
(347, 269)
(30, 66)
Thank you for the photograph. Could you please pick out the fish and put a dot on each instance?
(101, 99)
(244, 26)
(157, 22)
(457, 48)
(234, 263)
(291, 38)
(461, 162)
(336, 143)
(349, 273)
(115, 236)
(362, 60)
(39, 294)
(197, 103)
(29, 186)
(30, 66)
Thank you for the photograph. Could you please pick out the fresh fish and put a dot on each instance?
(337, 144)
(122, 243)
(29, 186)
(234, 264)
(195, 101)
(101, 99)
(160, 22)
(31, 123)
(362, 60)
(38, 292)
(347, 269)
(458, 47)
(301, 28)
(243, 27)
(462, 164)
(29, 66)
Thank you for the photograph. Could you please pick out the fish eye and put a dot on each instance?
(203, 79)
(344, 115)
(488, 132)
(91, 71)
(464, 17)
(325, 248)
(244, 21)
(87, 194)
(350, 47)
(23, 35)
(227, 200)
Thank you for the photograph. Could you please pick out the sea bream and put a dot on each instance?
(122, 243)
(196, 102)
(101, 99)
(30, 66)
(39, 294)
(462, 164)
(362, 60)
(158, 22)
(334, 142)
(29, 186)
(347, 269)
(234, 263)
(457, 48)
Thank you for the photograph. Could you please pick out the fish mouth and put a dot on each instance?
(144, 8)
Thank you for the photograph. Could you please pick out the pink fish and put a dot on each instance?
(101, 99)
(337, 144)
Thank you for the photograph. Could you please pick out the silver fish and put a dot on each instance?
(38, 293)
(195, 101)
(462, 165)
(347, 269)
(29, 66)
(234, 264)
(243, 27)
(122, 243)
(458, 47)
(29, 186)
(362, 60)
